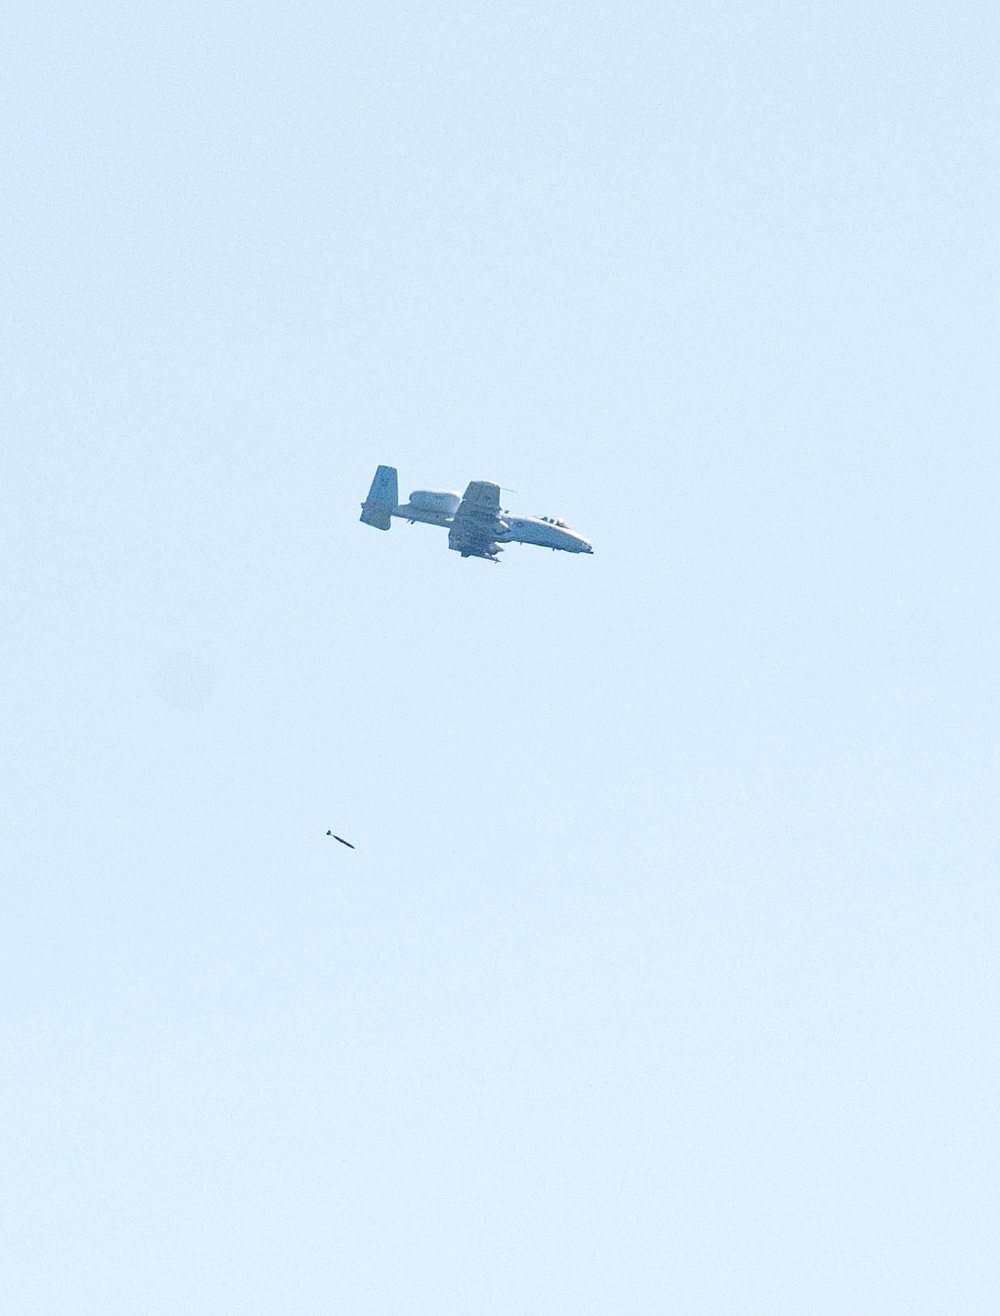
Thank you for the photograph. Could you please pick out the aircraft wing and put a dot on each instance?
(477, 521)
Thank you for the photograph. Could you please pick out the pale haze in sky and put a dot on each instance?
(665, 974)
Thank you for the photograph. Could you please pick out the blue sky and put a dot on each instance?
(664, 975)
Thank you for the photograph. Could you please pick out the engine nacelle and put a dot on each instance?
(442, 501)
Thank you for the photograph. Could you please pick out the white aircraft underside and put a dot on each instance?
(477, 527)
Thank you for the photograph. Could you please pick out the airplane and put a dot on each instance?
(341, 840)
(476, 525)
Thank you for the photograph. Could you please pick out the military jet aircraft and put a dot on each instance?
(476, 525)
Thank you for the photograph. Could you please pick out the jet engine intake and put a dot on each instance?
(443, 501)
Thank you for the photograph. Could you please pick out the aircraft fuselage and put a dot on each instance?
(476, 524)
(547, 534)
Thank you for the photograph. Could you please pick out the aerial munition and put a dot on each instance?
(476, 525)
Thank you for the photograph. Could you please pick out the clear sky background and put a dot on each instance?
(665, 975)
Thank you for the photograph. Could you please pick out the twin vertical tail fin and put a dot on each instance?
(382, 500)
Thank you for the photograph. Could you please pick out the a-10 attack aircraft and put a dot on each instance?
(476, 525)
